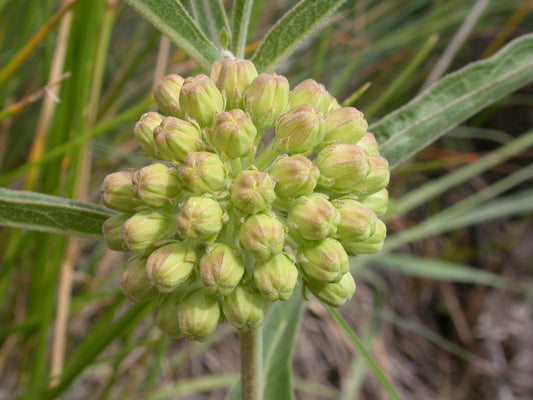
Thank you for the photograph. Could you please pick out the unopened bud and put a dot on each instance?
(356, 223)
(233, 77)
(156, 184)
(300, 129)
(372, 245)
(342, 166)
(134, 283)
(233, 133)
(262, 235)
(266, 98)
(369, 144)
(276, 277)
(377, 202)
(144, 131)
(244, 309)
(294, 176)
(112, 228)
(167, 315)
(198, 315)
(116, 192)
(202, 172)
(170, 266)
(252, 191)
(334, 294)
(325, 261)
(146, 228)
(167, 95)
(200, 218)
(175, 138)
(221, 269)
(377, 177)
(311, 93)
(346, 125)
(201, 100)
(313, 217)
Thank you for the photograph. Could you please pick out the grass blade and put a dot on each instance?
(211, 17)
(242, 10)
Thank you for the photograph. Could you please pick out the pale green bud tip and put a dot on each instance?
(200, 218)
(201, 100)
(262, 235)
(356, 223)
(116, 192)
(300, 129)
(244, 309)
(202, 172)
(170, 266)
(146, 228)
(144, 131)
(252, 191)
(377, 177)
(221, 269)
(175, 138)
(294, 176)
(112, 228)
(233, 77)
(266, 98)
(369, 144)
(156, 184)
(198, 315)
(311, 93)
(276, 277)
(345, 125)
(342, 166)
(167, 95)
(134, 283)
(325, 261)
(372, 245)
(233, 134)
(167, 315)
(313, 217)
(377, 202)
(334, 294)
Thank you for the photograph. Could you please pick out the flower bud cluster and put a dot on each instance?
(226, 219)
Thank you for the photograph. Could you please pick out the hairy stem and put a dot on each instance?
(252, 364)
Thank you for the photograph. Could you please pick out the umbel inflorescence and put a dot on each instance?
(253, 186)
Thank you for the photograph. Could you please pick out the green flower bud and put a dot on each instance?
(262, 235)
(334, 294)
(313, 217)
(346, 125)
(144, 131)
(112, 228)
(233, 133)
(175, 138)
(276, 277)
(310, 93)
(377, 178)
(266, 99)
(233, 77)
(156, 184)
(357, 222)
(198, 315)
(300, 129)
(167, 315)
(221, 269)
(146, 228)
(167, 95)
(371, 245)
(244, 309)
(200, 218)
(116, 192)
(134, 283)
(377, 202)
(369, 144)
(252, 191)
(325, 261)
(342, 166)
(333, 104)
(294, 176)
(202, 172)
(201, 100)
(170, 266)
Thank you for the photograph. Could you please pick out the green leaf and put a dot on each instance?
(41, 212)
(302, 20)
(242, 10)
(453, 99)
(171, 19)
(212, 18)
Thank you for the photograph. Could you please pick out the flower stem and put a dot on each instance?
(252, 364)
(267, 155)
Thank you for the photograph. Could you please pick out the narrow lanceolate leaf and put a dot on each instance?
(453, 99)
(242, 10)
(301, 21)
(212, 18)
(171, 19)
(41, 212)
